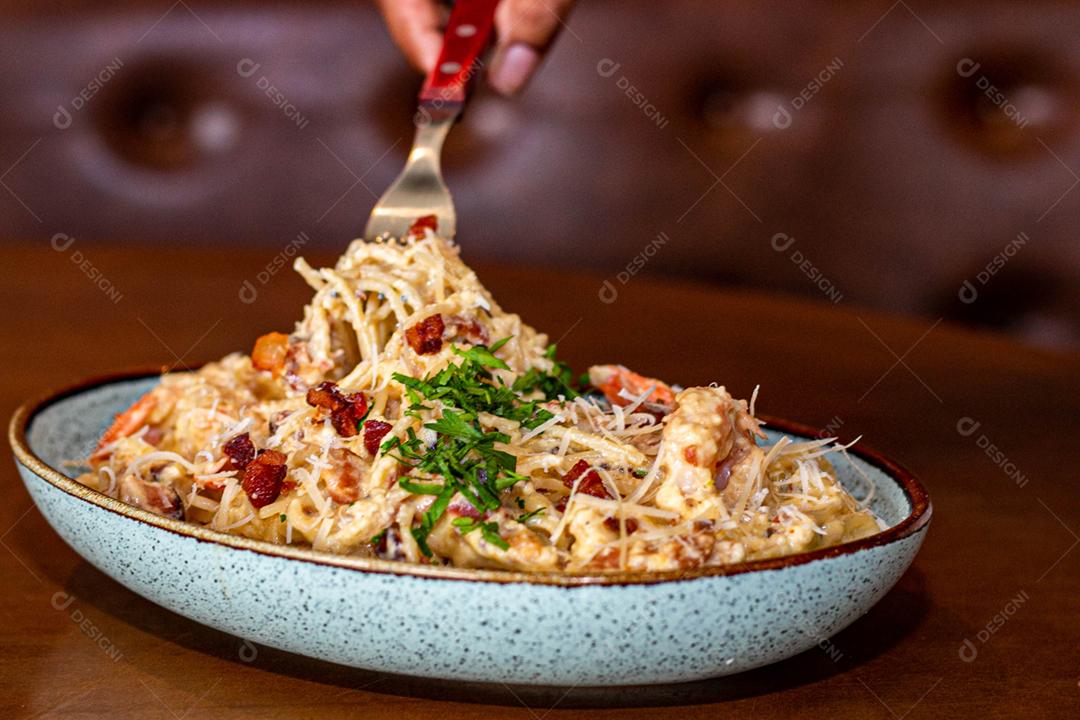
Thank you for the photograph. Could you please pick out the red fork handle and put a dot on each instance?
(466, 36)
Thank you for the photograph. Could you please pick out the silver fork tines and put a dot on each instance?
(419, 190)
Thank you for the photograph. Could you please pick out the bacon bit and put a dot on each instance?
(591, 484)
(689, 453)
(153, 435)
(427, 222)
(347, 420)
(326, 396)
(425, 337)
(374, 432)
(613, 524)
(345, 410)
(240, 451)
(343, 478)
(126, 423)
(263, 478)
(270, 351)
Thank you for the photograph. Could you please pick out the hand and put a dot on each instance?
(524, 31)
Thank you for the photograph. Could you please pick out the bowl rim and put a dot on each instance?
(916, 494)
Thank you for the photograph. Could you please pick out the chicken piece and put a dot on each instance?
(708, 454)
(151, 409)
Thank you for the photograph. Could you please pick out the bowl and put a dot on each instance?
(622, 628)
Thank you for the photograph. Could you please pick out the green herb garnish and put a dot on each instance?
(464, 454)
(525, 517)
(489, 530)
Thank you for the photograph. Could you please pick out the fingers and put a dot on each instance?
(526, 29)
(416, 28)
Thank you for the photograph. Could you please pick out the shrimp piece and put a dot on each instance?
(610, 379)
(125, 424)
(708, 433)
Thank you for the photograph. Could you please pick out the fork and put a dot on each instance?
(420, 190)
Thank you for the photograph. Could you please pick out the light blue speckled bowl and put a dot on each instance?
(493, 626)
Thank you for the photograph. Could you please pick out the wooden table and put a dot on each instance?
(985, 624)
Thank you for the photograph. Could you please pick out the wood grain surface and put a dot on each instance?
(984, 624)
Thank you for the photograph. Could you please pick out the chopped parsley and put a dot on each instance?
(489, 530)
(553, 384)
(525, 517)
(464, 454)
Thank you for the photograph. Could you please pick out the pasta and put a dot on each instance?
(408, 417)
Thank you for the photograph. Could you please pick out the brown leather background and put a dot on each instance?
(898, 178)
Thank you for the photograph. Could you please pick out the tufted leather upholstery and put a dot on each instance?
(838, 150)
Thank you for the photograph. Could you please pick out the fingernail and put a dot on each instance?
(512, 67)
(429, 51)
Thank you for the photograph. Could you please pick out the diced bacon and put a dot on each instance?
(270, 351)
(345, 411)
(240, 451)
(263, 478)
(374, 432)
(347, 419)
(326, 396)
(591, 484)
(427, 222)
(612, 524)
(426, 336)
